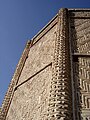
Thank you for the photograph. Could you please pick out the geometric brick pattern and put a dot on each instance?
(82, 88)
(84, 75)
(80, 35)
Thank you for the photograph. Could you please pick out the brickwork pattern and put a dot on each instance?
(30, 100)
(40, 55)
(44, 86)
(60, 102)
(80, 30)
(11, 88)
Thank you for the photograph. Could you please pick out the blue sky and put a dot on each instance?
(20, 20)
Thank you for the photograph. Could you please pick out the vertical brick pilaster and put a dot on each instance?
(60, 101)
(10, 92)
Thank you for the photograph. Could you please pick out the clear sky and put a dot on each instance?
(20, 20)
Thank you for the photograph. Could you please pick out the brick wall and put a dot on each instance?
(30, 100)
(80, 38)
(52, 78)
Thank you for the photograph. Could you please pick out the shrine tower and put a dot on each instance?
(52, 78)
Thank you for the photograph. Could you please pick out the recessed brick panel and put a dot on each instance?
(30, 101)
(40, 55)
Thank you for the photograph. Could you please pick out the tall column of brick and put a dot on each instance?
(60, 101)
(10, 91)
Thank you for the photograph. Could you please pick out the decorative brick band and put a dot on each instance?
(14, 81)
(60, 101)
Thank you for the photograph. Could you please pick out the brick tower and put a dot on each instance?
(52, 78)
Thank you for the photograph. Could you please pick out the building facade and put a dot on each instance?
(52, 78)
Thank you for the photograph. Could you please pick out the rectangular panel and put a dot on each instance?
(81, 35)
(30, 100)
(40, 55)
